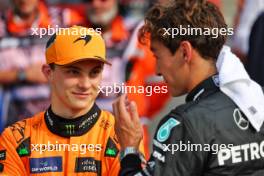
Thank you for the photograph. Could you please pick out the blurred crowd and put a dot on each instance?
(23, 88)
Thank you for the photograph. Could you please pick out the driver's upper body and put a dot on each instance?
(73, 136)
(51, 145)
(207, 136)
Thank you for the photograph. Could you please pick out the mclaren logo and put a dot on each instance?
(86, 38)
(239, 119)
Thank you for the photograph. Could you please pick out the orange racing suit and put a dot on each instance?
(47, 144)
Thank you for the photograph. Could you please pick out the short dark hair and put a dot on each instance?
(191, 13)
(52, 66)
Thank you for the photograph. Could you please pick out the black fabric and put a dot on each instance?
(131, 160)
(72, 127)
(255, 63)
(206, 87)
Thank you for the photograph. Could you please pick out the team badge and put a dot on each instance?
(164, 131)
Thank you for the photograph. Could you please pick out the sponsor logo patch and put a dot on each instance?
(241, 153)
(2, 154)
(165, 129)
(240, 120)
(24, 148)
(88, 121)
(47, 164)
(111, 149)
(88, 164)
(70, 129)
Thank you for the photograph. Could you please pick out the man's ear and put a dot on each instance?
(187, 50)
(47, 71)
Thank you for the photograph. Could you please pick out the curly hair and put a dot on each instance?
(189, 14)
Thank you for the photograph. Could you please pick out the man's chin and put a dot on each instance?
(81, 107)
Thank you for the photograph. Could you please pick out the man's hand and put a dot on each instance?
(127, 126)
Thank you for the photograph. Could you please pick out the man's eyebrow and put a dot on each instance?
(78, 68)
(98, 66)
(72, 67)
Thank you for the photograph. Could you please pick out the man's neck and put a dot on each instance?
(68, 113)
(201, 73)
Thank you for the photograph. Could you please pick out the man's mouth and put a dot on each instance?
(81, 94)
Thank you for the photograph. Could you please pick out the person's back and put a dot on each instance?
(211, 137)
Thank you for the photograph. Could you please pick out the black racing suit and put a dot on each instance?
(207, 136)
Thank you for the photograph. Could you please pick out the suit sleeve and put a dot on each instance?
(10, 162)
(172, 152)
(112, 159)
(114, 163)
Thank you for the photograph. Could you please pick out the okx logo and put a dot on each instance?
(70, 129)
(164, 131)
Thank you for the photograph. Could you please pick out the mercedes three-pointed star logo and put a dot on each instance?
(240, 120)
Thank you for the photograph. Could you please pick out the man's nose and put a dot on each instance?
(84, 82)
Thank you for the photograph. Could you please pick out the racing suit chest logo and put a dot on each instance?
(164, 131)
(46, 164)
(70, 129)
(240, 120)
(88, 164)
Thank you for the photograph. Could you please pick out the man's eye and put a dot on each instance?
(73, 72)
(94, 73)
